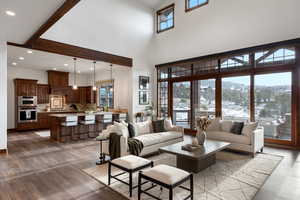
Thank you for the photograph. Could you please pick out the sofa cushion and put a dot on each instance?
(158, 126)
(237, 128)
(156, 138)
(168, 124)
(226, 125)
(214, 125)
(228, 137)
(249, 128)
(142, 128)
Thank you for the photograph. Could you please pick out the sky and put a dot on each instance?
(275, 79)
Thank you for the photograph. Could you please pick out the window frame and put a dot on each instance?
(187, 9)
(159, 12)
(253, 70)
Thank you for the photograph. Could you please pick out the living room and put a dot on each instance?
(221, 77)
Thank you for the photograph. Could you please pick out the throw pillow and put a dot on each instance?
(214, 125)
(237, 128)
(142, 128)
(131, 130)
(226, 125)
(158, 126)
(168, 125)
(249, 128)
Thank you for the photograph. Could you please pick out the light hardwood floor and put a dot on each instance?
(36, 168)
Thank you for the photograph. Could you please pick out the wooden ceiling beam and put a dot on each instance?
(75, 51)
(66, 7)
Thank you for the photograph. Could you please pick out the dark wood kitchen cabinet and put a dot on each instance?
(25, 87)
(82, 95)
(43, 121)
(43, 91)
(90, 95)
(58, 79)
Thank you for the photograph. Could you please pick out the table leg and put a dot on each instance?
(102, 157)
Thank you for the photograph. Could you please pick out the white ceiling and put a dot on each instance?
(30, 15)
(152, 3)
(41, 60)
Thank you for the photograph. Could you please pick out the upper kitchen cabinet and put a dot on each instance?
(43, 91)
(58, 79)
(25, 87)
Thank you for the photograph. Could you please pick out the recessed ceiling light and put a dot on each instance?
(10, 13)
(21, 58)
(14, 63)
(65, 65)
(54, 69)
(29, 51)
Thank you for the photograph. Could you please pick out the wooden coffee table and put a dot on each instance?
(197, 160)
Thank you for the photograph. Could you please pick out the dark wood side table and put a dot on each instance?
(103, 158)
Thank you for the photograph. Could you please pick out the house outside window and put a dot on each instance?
(165, 18)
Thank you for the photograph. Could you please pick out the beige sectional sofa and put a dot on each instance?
(251, 139)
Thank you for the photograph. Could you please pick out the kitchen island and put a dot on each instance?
(76, 126)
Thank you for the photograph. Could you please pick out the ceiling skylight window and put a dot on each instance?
(165, 18)
(192, 4)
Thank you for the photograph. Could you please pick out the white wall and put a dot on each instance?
(26, 73)
(3, 94)
(225, 25)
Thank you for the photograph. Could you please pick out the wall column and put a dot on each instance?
(3, 95)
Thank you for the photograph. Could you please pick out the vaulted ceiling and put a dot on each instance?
(30, 15)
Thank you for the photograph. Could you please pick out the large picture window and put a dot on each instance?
(258, 84)
(236, 98)
(273, 102)
(163, 99)
(106, 95)
(182, 104)
(204, 98)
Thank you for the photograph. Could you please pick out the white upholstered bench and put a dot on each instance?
(128, 164)
(165, 176)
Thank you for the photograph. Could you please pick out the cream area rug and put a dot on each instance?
(45, 133)
(233, 177)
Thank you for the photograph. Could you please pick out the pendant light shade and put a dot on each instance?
(111, 76)
(74, 80)
(94, 77)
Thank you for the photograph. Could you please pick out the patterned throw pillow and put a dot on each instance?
(237, 128)
(158, 126)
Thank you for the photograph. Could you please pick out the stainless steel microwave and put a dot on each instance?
(29, 101)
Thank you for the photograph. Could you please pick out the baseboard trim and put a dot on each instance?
(11, 130)
(280, 146)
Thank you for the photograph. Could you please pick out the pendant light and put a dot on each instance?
(111, 77)
(74, 79)
(94, 77)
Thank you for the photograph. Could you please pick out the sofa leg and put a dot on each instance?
(262, 150)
